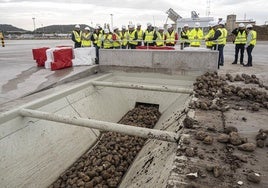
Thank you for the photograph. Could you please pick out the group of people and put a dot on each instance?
(131, 38)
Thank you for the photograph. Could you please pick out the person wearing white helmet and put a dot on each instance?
(210, 34)
(240, 42)
(116, 38)
(86, 38)
(160, 37)
(196, 35)
(185, 36)
(76, 36)
(107, 39)
(124, 37)
(149, 35)
(171, 36)
(251, 42)
(96, 40)
(133, 37)
(219, 36)
(140, 34)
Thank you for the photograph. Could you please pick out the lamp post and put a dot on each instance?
(111, 21)
(34, 23)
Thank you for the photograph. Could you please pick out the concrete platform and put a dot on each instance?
(19, 75)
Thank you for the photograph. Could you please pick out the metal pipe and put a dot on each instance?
(144, 87)
(103, 125)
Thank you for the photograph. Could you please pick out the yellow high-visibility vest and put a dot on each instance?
(254, 37)
(196, 33)
(183, 33)
(77, 35)
(132, 37)
(149, 36)
(86, 42)
(140, 34)
(95, 36)
(225, 33)
(124, 37)
(170, 38)
(99, 43)
(210, 34)
(241, 38)
(117, 42)
(160, 39)
(107, 41)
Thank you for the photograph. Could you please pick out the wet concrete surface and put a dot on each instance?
(19, 75)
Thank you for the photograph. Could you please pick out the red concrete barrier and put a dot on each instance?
(39, 55)
(62, 58)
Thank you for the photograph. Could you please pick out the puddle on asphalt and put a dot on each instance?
(13, 83)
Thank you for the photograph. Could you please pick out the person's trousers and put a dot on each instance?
(221, 56)
(249, 52)
(241, 48)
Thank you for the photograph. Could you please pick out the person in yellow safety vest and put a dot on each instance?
(76, 36)
(86, 38)
(251, 42)
(185, 36)
(171, 36)
(133, 36)
(116, 38)
(149, 35)
(210, 34)
(124, 37)
(160, 37)
(219, 38)
(140, 34)
(196, 35)
(240, 42)
(96, 40)
(2, 39)
(107, 39)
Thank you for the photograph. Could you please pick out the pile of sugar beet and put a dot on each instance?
(221, 93)
(104, 165)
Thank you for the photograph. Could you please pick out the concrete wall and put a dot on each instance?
(189, 61)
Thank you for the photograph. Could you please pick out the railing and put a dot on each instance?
(182, 42)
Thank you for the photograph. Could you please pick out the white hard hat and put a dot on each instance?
(87, 28)
(138, 24)
(115, 27)
(106, 31)
(123, 27)
(241, 25)
(149, 24)
(197, 24)
(131, 26)
(97, 27)
(169, 26)
(77, 26)
(186, 25)
(249, 26)
(160, 28)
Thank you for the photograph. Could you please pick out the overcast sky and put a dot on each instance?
(48, 12)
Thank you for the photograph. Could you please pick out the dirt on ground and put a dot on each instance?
(225, 144)
(105, 164)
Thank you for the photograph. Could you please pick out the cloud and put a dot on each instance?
(20, 13)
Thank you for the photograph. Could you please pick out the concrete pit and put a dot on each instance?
(45, 149)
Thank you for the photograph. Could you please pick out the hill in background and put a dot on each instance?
(10, 29)
(59, 28)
